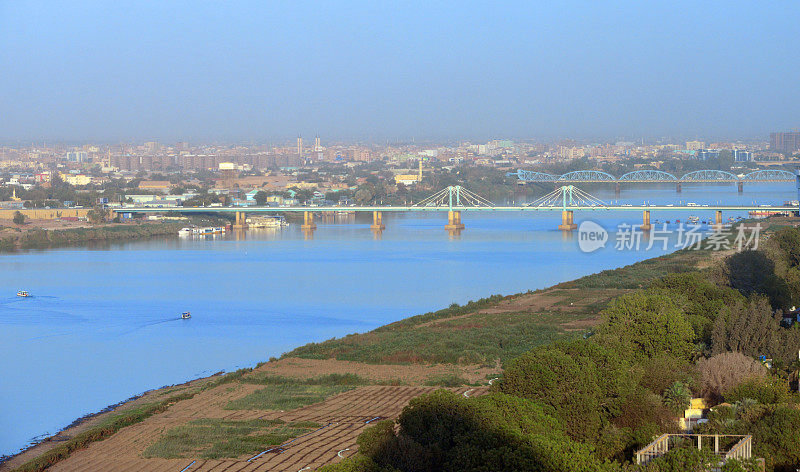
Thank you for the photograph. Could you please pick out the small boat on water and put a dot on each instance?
(186, 315)
(186, 232)
(23, 293)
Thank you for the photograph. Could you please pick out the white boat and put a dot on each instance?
(267, 222)
(186, 315)
(23, 293)
(185, 231)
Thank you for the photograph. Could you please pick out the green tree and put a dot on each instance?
(261, 198)
(650, 322)
(19, 218)
(97, 215)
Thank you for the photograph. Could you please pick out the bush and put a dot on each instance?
(764, 390)
(18, 218)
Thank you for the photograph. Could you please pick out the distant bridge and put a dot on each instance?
(658, 176)
(455, 199)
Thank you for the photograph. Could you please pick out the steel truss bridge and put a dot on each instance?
(456, 199)
(655, 176)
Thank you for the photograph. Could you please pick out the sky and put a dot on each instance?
(372, 71)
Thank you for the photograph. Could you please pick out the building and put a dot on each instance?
(162, 186)
(76, 179)
(740, 155)
(705, 154)
(785, 142)
(695, 145)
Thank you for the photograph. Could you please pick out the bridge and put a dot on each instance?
(456, 199)
(658, 176)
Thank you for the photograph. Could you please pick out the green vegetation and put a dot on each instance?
(18, 218)
(98, 433)
(446, 380)
(477, 339)
(218, 438)
(283, 393)
(42, 239)
(587, 403)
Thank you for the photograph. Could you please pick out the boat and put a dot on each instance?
(208, 230)
(186, 231)
(267, 222)
(186, 315)
(768, 213)
(23, 293)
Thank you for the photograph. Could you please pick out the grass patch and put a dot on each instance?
(478, 339)
(286, 396)
(217, 438)
(330, 379)
(99, 433)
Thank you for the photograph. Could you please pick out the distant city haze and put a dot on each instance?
(375, 71)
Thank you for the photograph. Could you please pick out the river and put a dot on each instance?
(104, 324)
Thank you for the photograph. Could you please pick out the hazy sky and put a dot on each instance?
(235, 70)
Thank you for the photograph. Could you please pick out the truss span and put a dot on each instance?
(648, 175)
(533, 176)
(770, 175)
(587, 176)
(710, 176)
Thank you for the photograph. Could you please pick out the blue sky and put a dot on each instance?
(203, 71)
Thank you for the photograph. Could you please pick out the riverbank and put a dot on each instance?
(458, 347)
(16, 238)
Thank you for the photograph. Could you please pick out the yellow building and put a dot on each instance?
(692, 415)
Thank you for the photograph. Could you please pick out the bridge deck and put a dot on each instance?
(453, 208)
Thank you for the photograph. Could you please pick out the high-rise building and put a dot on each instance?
(299, 146)
(695, 145)
(785, 142)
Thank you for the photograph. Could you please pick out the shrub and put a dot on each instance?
(764, 390)
(18, 218)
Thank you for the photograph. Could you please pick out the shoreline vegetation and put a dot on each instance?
(40, 238)
(622, 347)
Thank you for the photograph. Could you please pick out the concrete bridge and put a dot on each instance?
(455, 199)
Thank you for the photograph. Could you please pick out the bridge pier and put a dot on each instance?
(646, 226)
(567, 223)
(740, 187)
(241, 220)
(678, 187)
(454, 221)
(308, 221)
(377, 221)
(717, 220)
(616, 190)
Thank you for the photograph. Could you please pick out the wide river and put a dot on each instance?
(104, 324)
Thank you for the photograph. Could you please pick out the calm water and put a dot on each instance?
(104, 324)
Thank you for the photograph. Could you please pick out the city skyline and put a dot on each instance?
(372, 72)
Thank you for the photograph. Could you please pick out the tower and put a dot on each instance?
(420, 171)
(299, 145)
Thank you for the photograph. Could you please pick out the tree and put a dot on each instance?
(97, 215)
(651, 323)
(260, 198)
(19, 218)
(677, 397)
(721, 373)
